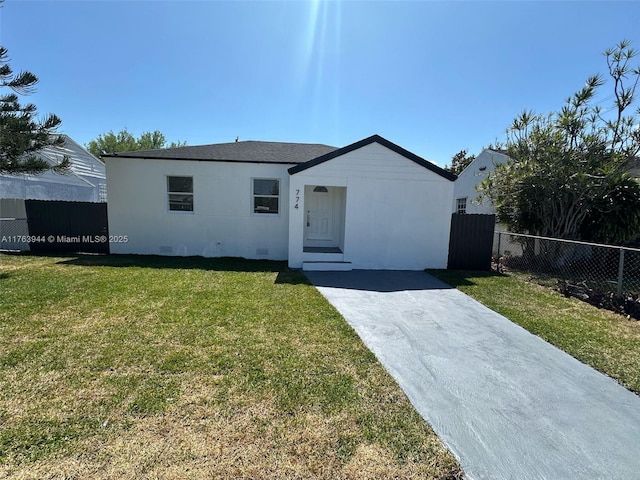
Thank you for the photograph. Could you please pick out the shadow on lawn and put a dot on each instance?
(222, 264)
(459, 278)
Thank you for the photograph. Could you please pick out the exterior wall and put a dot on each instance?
(397, 213)
(476, 172)
(222, 223)
(507, 245)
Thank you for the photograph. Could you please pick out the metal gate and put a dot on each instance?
(58, 226)
(471, 241)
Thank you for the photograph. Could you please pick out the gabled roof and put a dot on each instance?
(497, 157)
(82, 164)
(244, 151)
(374, 139)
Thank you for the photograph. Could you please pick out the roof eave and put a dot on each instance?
(182, 159)
(367, 141)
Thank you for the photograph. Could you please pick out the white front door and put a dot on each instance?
(319, 213)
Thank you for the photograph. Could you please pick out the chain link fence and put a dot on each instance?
(604, 275)
(14, 234)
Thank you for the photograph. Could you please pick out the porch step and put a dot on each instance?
(327, 266)
(322, 257)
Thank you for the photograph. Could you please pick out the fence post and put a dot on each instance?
(499, 237)
(620, 272)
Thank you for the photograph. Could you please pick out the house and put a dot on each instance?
(369, 205)
(467, 199)
(85, 182)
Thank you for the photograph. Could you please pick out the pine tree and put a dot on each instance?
(22, 135)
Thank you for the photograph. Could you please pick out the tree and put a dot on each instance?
(567, 174)
(459, 162)
(124, 141)
(614, 216)
(22, 135)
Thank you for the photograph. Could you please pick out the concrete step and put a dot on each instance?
(322, 257)
(327, 266)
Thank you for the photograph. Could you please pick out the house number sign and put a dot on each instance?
(297, 198)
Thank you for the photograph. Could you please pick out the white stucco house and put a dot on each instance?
(369, 205)
(85, 181)
(466, 198)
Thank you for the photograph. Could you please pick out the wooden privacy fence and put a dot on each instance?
(471, 241)
(56, 227)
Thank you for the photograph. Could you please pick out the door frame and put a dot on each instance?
(337, 214)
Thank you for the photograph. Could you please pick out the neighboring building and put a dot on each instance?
(369, 205)
(85, 182)
(465, 195)
(633, 168)
(467, 199)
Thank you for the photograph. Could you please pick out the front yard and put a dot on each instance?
(145, 367)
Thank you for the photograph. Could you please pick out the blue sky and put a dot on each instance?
(433, 77)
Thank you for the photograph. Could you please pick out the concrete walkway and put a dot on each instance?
(506, 403)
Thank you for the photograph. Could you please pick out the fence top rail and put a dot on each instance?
(563, 240)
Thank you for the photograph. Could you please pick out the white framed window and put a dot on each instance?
(180, 193)
(461, 205)
(266, 196)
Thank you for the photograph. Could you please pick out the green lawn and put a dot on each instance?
(147, 367)
(607, 341)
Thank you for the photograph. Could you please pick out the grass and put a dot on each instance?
(607, 341)
(147, 367)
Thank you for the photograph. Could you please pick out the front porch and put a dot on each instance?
(321, 250)
(320, 211)
(324, 259)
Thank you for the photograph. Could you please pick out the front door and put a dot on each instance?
(319, 214)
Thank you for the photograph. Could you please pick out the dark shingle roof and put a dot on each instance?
(245, 151)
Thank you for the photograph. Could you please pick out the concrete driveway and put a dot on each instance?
(506, 403)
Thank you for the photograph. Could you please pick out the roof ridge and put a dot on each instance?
(186, 147)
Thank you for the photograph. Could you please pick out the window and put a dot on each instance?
(180, 194)
(461, 205)
(102, 193)
(266, 195)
